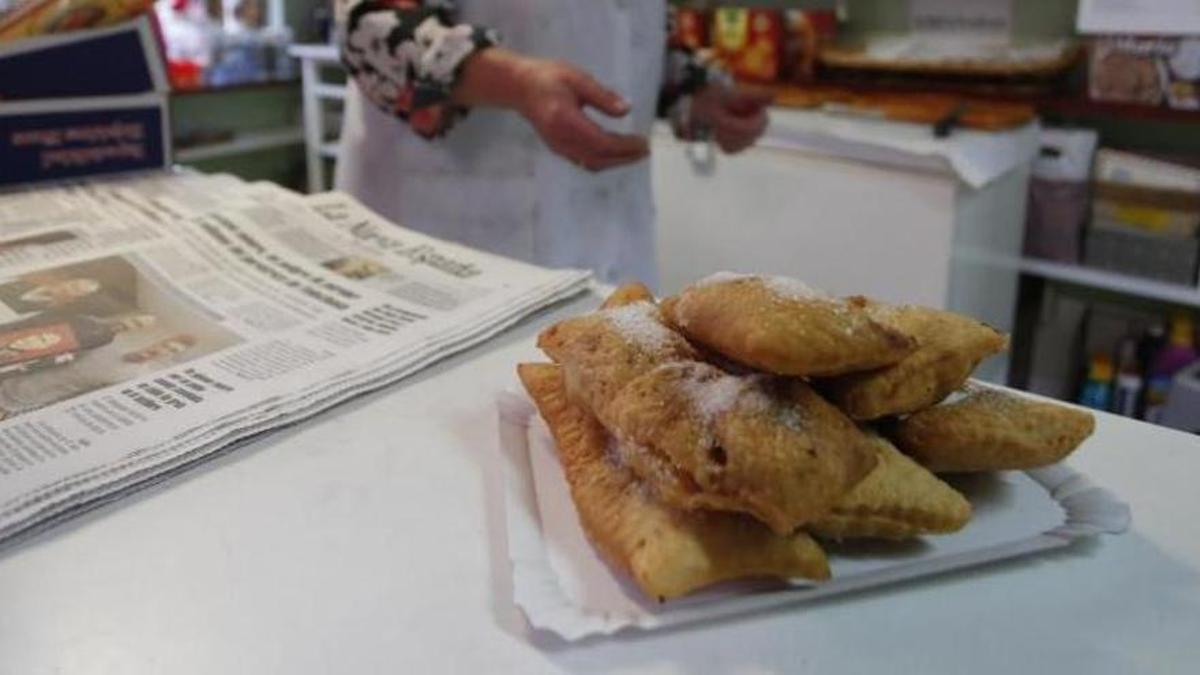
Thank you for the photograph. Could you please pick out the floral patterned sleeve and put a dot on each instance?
(406, 56)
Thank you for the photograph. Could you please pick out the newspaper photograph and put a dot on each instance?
(73, 329)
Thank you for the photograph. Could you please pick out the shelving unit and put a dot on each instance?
(316, 92)
(241, 143)
(1112, 281)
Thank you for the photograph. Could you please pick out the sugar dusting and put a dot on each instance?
(784, 287)
(640, 324)
(794, 289)
(712, 392)
(721, 278)
(970, 391)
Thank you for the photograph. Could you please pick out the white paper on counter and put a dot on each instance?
(976, 157)
(562, 585)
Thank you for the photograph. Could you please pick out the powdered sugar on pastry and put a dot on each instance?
(721, 278)
(640, 324)
(784, 287)
(714, 393)
(712, 396)
(794, 289)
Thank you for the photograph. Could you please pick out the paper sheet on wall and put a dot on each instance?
(977, 18)
(1162, 17)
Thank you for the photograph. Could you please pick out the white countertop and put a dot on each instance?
(370, 540)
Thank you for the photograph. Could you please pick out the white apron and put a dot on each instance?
(491, 183)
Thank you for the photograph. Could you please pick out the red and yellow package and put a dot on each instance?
(807, 31)
(750, 42)
(691, 28)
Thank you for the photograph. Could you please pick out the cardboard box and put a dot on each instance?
(1147, 232)
(113, 61)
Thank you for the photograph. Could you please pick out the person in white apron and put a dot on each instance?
(549, 164)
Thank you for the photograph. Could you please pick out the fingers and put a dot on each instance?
(585, 143)
(598, 96)
(734, 133)
(744, 102)
(593, 139)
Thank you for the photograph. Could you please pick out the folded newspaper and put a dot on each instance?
(151, 321)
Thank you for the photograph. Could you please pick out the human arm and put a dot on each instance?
(412, 60)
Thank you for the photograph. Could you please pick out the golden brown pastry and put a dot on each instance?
(603, 351)
(779, 325)
(667, 552)
(898, 500)
(769, 447)
(989, 430)
(627, 295)
(949, 346)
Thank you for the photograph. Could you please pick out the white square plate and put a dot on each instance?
(563, 586)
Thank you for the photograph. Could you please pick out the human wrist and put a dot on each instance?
(494, 77)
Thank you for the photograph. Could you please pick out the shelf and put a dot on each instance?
(1082, 107)
(334, 92)
(1112, 281)
(237, 88)
(241, 143)
(1043, 103)
(321, 53)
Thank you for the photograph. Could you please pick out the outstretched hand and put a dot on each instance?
(552, 96)
(736, 117)
(556, 94)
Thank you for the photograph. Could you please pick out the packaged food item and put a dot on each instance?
(1127, 389)
(1174, 356)
(691, 28)
(41, 17)
(1059, 194)
(806, 32)
(750, 42)
(1148, 70)
(1097, 388)
(1145, 218)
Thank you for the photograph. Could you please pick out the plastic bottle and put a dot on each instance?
(1175, 355)
(1096, 392)
(1152, 340)
(1128, 388)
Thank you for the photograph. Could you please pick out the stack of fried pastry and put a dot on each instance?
(712, 436)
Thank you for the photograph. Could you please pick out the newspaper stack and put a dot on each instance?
(149, 322)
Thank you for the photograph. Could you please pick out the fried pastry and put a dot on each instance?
(667, 552)
(949, 347)
(989, 430)
(603, 351)
(627, 295)
(779, 325)
(768, 447)
(898, 500)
